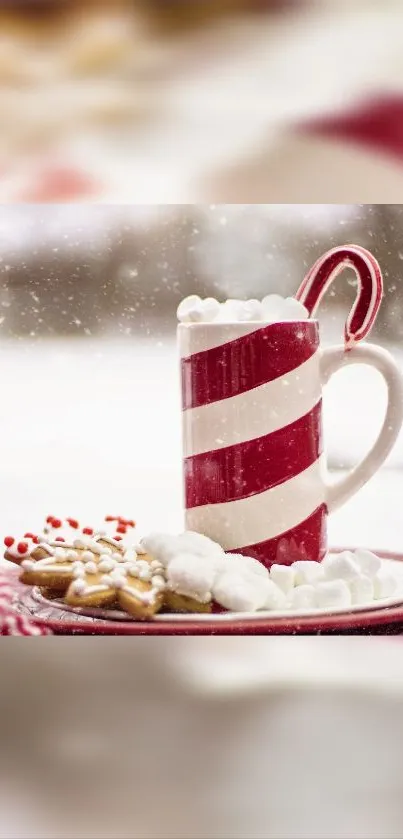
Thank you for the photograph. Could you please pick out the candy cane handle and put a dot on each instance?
(370, 287)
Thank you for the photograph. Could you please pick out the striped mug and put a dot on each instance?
(254, 473)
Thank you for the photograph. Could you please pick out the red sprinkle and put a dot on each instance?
(126, 522)
(29, 535)
(22, 547)
(117, 538)
(121, 529)
(111, 518)
(35, 539)
(9, 541)
(73, 523)
(56, 523)
(59, 539)
(88, 531)
(49, 519)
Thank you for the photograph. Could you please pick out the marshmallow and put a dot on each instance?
(241, 593)
(195, 310)
(283, 576)
(332, 594)
(251, 310)
(246, 564)
(341, 566)
(271, 307)
(292, 309)
(161, 546)
(198, 544)
(385, 584)
(307, 572)
(361, 589)
(275, 597)
(165, 547)
(368, 562)
(302, 597)
(189, 309)
(230, 311)
(210, 308)
(192, 576)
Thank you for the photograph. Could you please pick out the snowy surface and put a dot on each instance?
(92, 427)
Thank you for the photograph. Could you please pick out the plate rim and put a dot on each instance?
(341, 621)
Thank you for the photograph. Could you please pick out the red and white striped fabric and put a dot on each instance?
(12, 623)
(253, 438)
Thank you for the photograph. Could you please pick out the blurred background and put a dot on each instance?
(88, 297)
(170, 738)
(225, 100)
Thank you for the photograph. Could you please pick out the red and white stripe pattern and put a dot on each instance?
(11, 622)
(253, 438)
(370, 287)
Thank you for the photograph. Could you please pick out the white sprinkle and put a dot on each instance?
(106, 564)
(79, 586)
(118, 581)
(90, 568)
(87, 556)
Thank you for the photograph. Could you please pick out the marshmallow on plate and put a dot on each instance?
(332, 594)
(368, 562)
(361, 589)
(302, 598)
(165, 546)
(307, 572)
(192, 576)
(283, 576)
(246, 564)
(385, 584)
(247, 592)
(341, 566)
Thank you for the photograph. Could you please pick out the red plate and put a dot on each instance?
(384, 620)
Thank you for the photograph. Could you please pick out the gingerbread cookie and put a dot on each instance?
(135, 585)
(185, 573)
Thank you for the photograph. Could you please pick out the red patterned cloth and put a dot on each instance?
(12, 623)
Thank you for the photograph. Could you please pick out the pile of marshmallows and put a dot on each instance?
(197, 567)
(272, 309)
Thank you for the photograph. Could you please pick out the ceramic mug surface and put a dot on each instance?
(254, 471)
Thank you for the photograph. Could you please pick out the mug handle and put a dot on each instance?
(334, 359)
